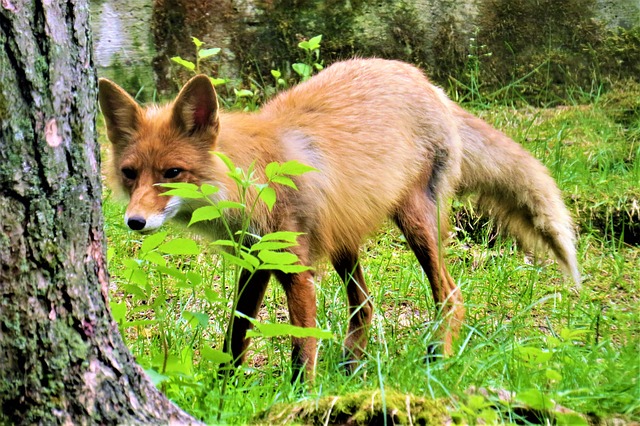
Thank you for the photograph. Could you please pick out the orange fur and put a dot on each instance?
(386, 142)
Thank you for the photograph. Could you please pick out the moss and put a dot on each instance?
(563, 49)
(48, 355)
(613, 212)
(622, 103)
(360, 408)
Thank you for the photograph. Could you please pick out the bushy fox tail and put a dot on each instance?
(515, 189)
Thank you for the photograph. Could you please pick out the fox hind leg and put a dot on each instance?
(418, 218)
(360, 307)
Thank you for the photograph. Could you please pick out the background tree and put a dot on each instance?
(61, 357)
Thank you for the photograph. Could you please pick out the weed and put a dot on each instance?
(311, 61)
(250, 99)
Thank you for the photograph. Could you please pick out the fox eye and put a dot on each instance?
(129, 173)
(172, 173)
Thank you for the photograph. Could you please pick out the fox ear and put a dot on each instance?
(121, 112)
(196, 108)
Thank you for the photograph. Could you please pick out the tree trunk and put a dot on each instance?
(62, 359)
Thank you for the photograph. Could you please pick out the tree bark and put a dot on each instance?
(62, 360)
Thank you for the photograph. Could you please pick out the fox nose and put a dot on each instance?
(136, 223)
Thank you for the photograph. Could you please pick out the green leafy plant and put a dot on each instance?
(246, 100)
(280, 82)
(476, 409)
(249, 99)
(173, 367)
(311, 61)
(201, 55)
(153, 305)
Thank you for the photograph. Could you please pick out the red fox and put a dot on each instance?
(386, 143)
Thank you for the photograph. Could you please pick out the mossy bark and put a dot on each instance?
(62, 359)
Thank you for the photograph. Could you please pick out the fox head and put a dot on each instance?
(156, 145)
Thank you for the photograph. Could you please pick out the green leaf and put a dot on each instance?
(174, 272)
(282, 236)
(243, 93)
(570, 419)
(489, 415)
(179, 185)
(155, 377)
(283, 180)
(568, 334)
(235, 260)
(311, 44)
(535, 399)
(295, 168)
(205, 53)
(553, 342)
(187, 64)
(268, 195)
(197, 42)
(181, 189)
(194, 277)
(183, 193)
(208, 189)
(226, 160)
(276, 74)
(277, 257)
(135, 290)
(272, 169)
(251, 259)
(131, 264)
(224, 243)
(553, 375)
(204, 213)
(212, 296)
(118, 311)
(532, 355)
(478, 402)
(139, 323)
(271, 245)
(152, 241)
(196, 318)
(314, 42)
(139, 277)
(304, 45)
(276, 330)
(110, 254)
(182, 364)
(225, 204)
(155, 258)
(180, 246)
(218, 81)
(215, 355)
(303, 70)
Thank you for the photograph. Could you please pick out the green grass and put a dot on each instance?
(528, 330)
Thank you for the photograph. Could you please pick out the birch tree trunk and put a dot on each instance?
(62, 360)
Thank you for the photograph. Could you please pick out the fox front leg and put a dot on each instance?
(301, 300)
(250, 294)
